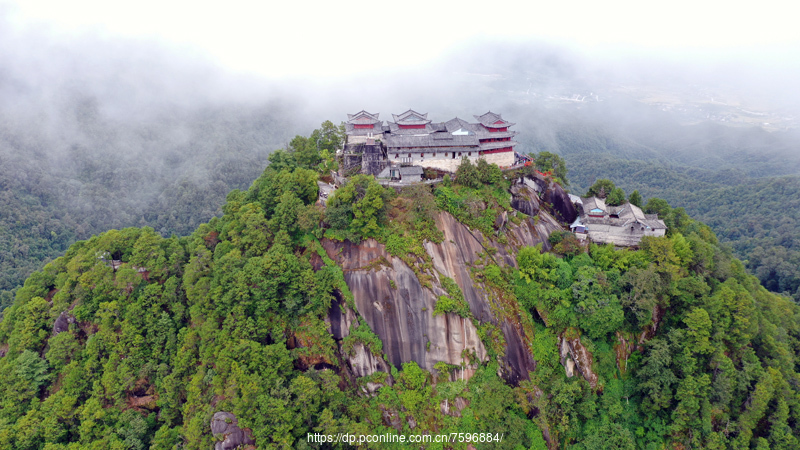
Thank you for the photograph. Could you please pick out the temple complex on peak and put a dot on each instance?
(412, 139)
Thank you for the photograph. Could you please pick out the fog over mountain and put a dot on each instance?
(100, 130)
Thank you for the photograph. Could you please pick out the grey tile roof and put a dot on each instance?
(411, 117)
(488, 117)
(363, 117)
(430, 150)
(488, 120)
(477, 128)
(657, 224)
(496, 145)
(484, 134)
(395, 129)
(407, 171)
(411, 170)
(457, 124)
(590, 203)
(575, 199)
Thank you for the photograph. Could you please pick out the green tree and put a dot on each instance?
(367, 212)
(305, 152)
(282, 160)
(655, 377)
(467, 174)
(32, 369)
(657, 206)
(601, 188)
(699, 331)
(546, 161)
(616, 197)
(286, 215)
(610, 436)
(635, 198)
(565, 243)
(359, 206)
(488, 173)
(327, 137)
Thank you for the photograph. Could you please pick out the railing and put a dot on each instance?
(516, 166)
(392, 183)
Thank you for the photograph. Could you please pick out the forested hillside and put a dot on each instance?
(93, 173)
(743, 182)
(97, 134)
(133, 340)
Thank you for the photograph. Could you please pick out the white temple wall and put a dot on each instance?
(448, 163)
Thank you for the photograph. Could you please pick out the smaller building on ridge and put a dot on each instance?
(622, 225)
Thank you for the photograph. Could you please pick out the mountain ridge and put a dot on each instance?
(269, 314)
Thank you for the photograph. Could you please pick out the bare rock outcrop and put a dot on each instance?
(626, 344)
(560, 203)
(453, 408)
(225, 427)
(364, 363)
(524, 199)
(62, 322)
(570, 343)
(459, 250)
(390, 297)
(340, 318)
(566, 358)
(650, 330)
(391, 418)
(358, 361)
(519, 358)
(501, 221)
(531, 232)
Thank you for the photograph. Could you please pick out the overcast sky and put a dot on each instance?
(334, 39)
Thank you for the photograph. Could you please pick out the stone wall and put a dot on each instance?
(362, 139)
(449, 163)
(503, 159)
(609, 234)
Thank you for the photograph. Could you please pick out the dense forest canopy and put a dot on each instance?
(171, 173)
(132, 340)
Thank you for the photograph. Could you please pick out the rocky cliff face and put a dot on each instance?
(626, 344)
(558, 199)
(225, 428)
(575, 357)
(399, 309)
(525, 199)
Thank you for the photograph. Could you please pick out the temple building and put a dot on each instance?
(362, 125)
(412, 139)
(622, 225)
